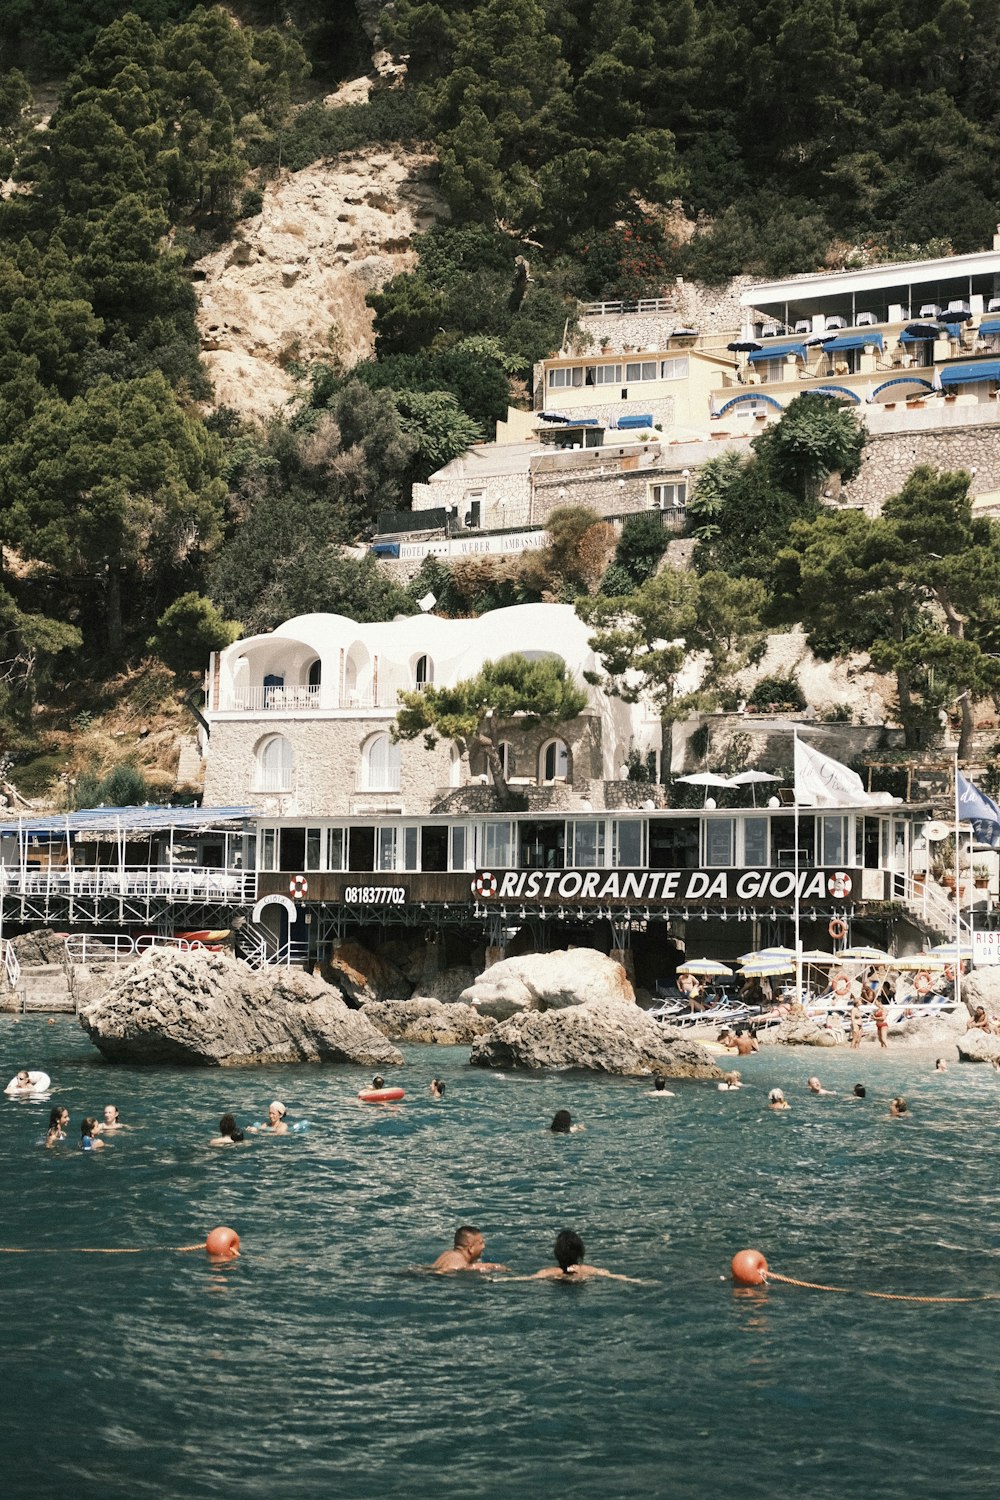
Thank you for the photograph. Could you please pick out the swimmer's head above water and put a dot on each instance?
(562, 1122)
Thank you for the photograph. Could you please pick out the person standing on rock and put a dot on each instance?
(881, 1025)
(855, 1019)
(465, 1254)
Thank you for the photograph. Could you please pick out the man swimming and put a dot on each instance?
(464, 1255)
(570, 1263)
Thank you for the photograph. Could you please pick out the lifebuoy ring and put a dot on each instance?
(39, 1082)
(837, 928)
(381, 1096)
(841, 985)
(922, 982)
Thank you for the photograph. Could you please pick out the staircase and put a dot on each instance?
(45, 987)
(934, 912)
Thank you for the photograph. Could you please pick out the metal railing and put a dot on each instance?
(641, 305)
(261, 700)
(192, 883)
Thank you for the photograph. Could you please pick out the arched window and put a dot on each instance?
(275, 765)
(553, 761)
(380, 765)
(423, 672)
(455, 767)
(315, 673)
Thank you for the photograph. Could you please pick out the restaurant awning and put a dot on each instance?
(777, 349)
(989, 325)
(971, 373)
(127, 820)
(865, 340)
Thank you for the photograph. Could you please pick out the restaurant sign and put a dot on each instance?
(668, 887)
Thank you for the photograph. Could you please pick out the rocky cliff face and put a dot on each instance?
(291, 288)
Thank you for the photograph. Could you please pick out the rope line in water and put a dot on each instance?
(100, 1250)
(817, 1286)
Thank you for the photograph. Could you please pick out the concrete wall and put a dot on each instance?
(889, 459)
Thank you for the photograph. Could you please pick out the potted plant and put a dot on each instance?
(981, 877)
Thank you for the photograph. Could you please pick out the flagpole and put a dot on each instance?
(796, 908)
(958, 894)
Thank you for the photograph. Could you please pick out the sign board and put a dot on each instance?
(751, 887)
(986, 947)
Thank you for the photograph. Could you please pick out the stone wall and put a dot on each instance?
(771, 741)
(888, 460)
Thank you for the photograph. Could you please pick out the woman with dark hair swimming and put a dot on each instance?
(228, 1135)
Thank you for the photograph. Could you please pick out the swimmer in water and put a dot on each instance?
(276, 1112)
(777, 1100)
(378, 1082)
(730, 1080)
(21, 1083)
(858, 1092)
(437, 1088)
(570, 1265)
(89, 1138)
(112, 1120)
(229, 1134)
(464, 1256)
(898, 1107)
(58, 1120)
(562, 1123)
(815, 1087)
(940, 1066)
(658, 1091)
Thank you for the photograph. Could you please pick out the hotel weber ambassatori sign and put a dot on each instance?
(667, 887)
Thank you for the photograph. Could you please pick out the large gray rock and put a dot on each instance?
(549, 981)
(799, 1032)
(930, 1031)
(206, 1009)
(978, 1046)
(606, 1038)
(448, 985)
(428, 1021)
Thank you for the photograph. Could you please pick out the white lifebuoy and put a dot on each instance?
(38, 1083)
(922, 983)
(841, 985)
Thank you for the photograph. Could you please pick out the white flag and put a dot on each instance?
(821, 781)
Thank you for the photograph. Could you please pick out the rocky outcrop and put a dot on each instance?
(207, 1010)
(982, 988)
(604, 1038)
(292, 288)
(428, 1021)
(448, 985)
(800, 1032)
(931, 1031)
(363, 976)
(978, 1046)
(549, 981)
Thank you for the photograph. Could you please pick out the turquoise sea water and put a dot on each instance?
(322, 1364)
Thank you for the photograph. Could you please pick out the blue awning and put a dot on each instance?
(970, 374)
(777, 349)
(756, 397)
(917, 338)
(635, 420)
(989, 325)
(838, 392)
(852, 341)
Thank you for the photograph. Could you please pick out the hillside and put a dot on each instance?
(260, 275)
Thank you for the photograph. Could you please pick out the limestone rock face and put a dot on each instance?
(931, 1031)
(549, 981)
(605, 1038)
(799, 1032)
(448, 985)
(980, 988)
(428, 1021)
(208, 1010)
(363, 976)
(978, 1046)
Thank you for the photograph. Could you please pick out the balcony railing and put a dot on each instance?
(269, 700)
(377, 781)
(193, 883)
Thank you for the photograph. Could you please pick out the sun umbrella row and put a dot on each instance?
(766, 962)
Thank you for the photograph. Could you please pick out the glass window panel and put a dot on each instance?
(496, 844)
(629, 842)
(335, 848)
(460, 848)
(411, 845)
(269, 849)
(314, 848)
(719, 841)
(589, 843)
(385, 849)
(834, 840)
(756, 842)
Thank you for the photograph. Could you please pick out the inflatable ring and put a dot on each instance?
(837, 928)
(381, 1096)
(40, 1084)
(922, 983)
(841, 985)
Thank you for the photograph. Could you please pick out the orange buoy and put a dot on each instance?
(223, 1243)
(749, 1268)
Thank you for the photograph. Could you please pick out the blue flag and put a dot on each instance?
(981, 811)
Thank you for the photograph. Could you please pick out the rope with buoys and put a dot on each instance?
(222, 1243)
(750, 1268)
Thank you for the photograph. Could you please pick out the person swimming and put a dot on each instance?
(90, 1140)
(112, 1119)
(898, 1107)
(437, 1088)
(562, 1123)
(815, 1087)
(570, 1265)
(58, 1120)
(777, 1100)
(658, 1091)
(229, 1133)
(276, 1124)
(730, 1080)
(465, 1253)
